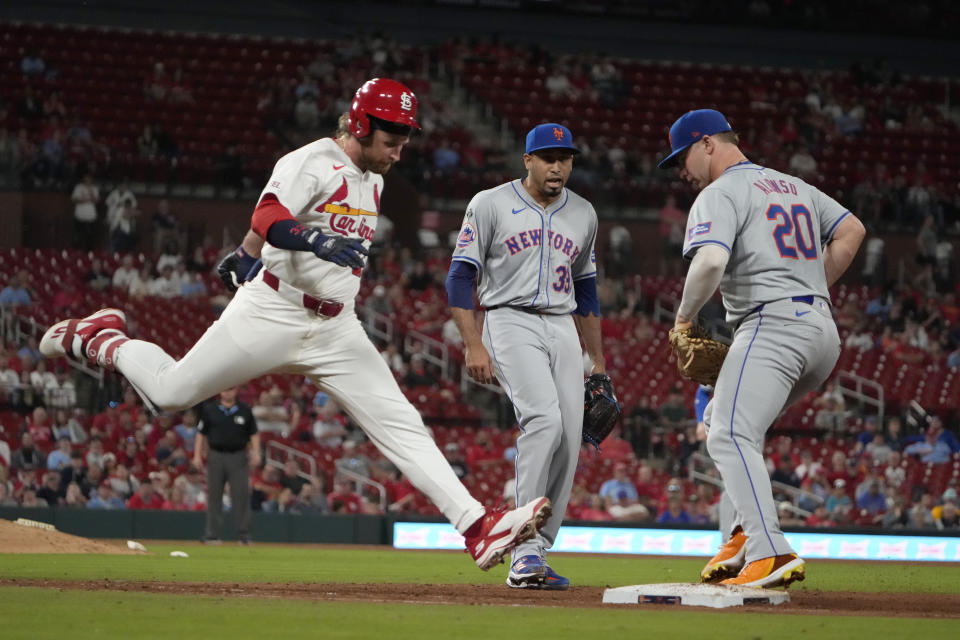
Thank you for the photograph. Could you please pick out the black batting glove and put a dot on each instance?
(234, 267)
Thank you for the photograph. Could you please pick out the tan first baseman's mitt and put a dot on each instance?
(699, 357)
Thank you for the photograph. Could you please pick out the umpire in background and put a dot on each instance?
(226, 428)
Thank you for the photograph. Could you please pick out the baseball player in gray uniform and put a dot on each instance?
(530, 246)
(774, 244)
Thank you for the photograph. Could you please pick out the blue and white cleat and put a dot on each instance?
(531, 572)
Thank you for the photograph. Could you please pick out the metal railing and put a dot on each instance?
(796, 494)
(377, 325)
(467, 383)
(433, 351)
(272, 460)
(853, 386)
(364, 480)
(665, 309)
(277, 454)
(22, 328)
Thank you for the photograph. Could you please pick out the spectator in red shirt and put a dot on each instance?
(145, 497)
(673, 221)
(176, 500)
(132, 456)
(266, 487)
(39, 427)
(67, 298)
(615, 448)
(483, 452)
(820, 517)
(106, 422)
(586, 506)
(401, 495)
(343, 499)
(648, 489)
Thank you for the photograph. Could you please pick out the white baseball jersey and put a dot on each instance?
(323, 188)
(527, 255)
(775, 227)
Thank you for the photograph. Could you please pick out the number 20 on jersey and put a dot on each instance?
(794, 231)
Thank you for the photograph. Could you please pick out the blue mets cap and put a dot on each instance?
(689, 128)
(550, 136)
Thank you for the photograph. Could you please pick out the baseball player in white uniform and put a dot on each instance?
(530, 245)
(318, 214)
(774, 244)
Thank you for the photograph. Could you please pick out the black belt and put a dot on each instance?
(530, 310)
(228, 450)
(329, 308)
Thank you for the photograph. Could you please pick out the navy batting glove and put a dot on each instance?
(340, 250)
(234, 268)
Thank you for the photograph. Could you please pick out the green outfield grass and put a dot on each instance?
(40, 613)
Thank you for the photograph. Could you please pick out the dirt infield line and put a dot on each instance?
(803, 601)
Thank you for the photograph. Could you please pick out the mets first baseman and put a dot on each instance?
(318, 214)
(774, 244)
(530, 244)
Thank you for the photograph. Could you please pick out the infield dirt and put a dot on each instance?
(20, 539)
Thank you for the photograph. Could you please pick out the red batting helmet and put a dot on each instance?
(384, 99)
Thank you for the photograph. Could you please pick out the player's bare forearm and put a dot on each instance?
(255, 450)
(476, 358)
(703, 278)
(252, 243)
(843, 248)
(589, 327)
(198, 445)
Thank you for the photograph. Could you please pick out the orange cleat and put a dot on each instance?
(728, 561)
(775, 571)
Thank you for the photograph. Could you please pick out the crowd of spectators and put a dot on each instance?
(59, 455)
(663, 433)
(795, 126)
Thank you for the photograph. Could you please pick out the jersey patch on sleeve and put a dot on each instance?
(593, 257)
(699, 230)
(467, 235)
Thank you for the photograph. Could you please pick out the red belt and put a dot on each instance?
(329, 308)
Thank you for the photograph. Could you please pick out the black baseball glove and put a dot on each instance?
(600, 409)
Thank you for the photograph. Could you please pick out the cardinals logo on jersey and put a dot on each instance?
(467, 235)
(346, 220)
(338, 196)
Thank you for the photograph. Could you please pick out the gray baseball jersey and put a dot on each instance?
(528, 256)
(786, 344)
(774, 225)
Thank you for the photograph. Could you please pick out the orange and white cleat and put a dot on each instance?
(775, 571)
(729, 560)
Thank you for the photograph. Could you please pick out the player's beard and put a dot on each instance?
(552, 189)
(370, 163)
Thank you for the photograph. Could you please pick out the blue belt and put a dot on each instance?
(803, 299)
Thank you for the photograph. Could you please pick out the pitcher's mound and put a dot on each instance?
(18, 538)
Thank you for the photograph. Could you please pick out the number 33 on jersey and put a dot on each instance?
(503, 226)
